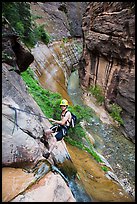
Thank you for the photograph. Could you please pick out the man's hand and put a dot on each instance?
(51, 120)
(59, 122)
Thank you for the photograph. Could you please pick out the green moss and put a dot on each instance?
(97, 93)
(48, 101)
(41, 34)
(115, 113)
(115, 109)
(104, 168)
(65, 40)
(78, 144)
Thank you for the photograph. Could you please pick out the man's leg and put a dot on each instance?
(46, 135)
(53, 141)
(49, 131)
(49, 139)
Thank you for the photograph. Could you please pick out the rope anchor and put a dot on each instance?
(15, 120)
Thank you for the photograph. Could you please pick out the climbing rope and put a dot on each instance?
(18, 109)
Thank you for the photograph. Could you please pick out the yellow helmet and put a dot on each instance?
(64, 102)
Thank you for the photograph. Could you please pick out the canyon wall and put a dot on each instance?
(60, 19)
(108, 58)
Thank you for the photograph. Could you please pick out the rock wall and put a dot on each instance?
(51, 188)
(14, 52)
(109, 56)
(60, 19)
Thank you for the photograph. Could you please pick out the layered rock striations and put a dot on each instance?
(108, 58)
(60, 19)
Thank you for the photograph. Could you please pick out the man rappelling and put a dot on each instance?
(60, 127)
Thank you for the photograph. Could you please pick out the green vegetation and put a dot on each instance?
(104, 168)
(115, 113)
(40, 34)
(49, 104)
(19, 16)
(115, 109)
(48, 101)
(97, 93)
(35, 17)
(65, 40)
(80, 48)
(79, 144)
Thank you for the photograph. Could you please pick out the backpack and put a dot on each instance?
(73, 120)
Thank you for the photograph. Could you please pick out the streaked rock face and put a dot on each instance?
(60, 19)
(109, 56)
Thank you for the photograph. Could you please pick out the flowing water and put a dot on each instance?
(74, 184)
(109, 142)
(74, 90)
(96, 184)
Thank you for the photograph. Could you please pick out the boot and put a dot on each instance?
(46, 155)
(45, 142)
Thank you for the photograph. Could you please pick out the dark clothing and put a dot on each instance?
(61, 131)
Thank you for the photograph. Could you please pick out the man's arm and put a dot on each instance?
(60, 122)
